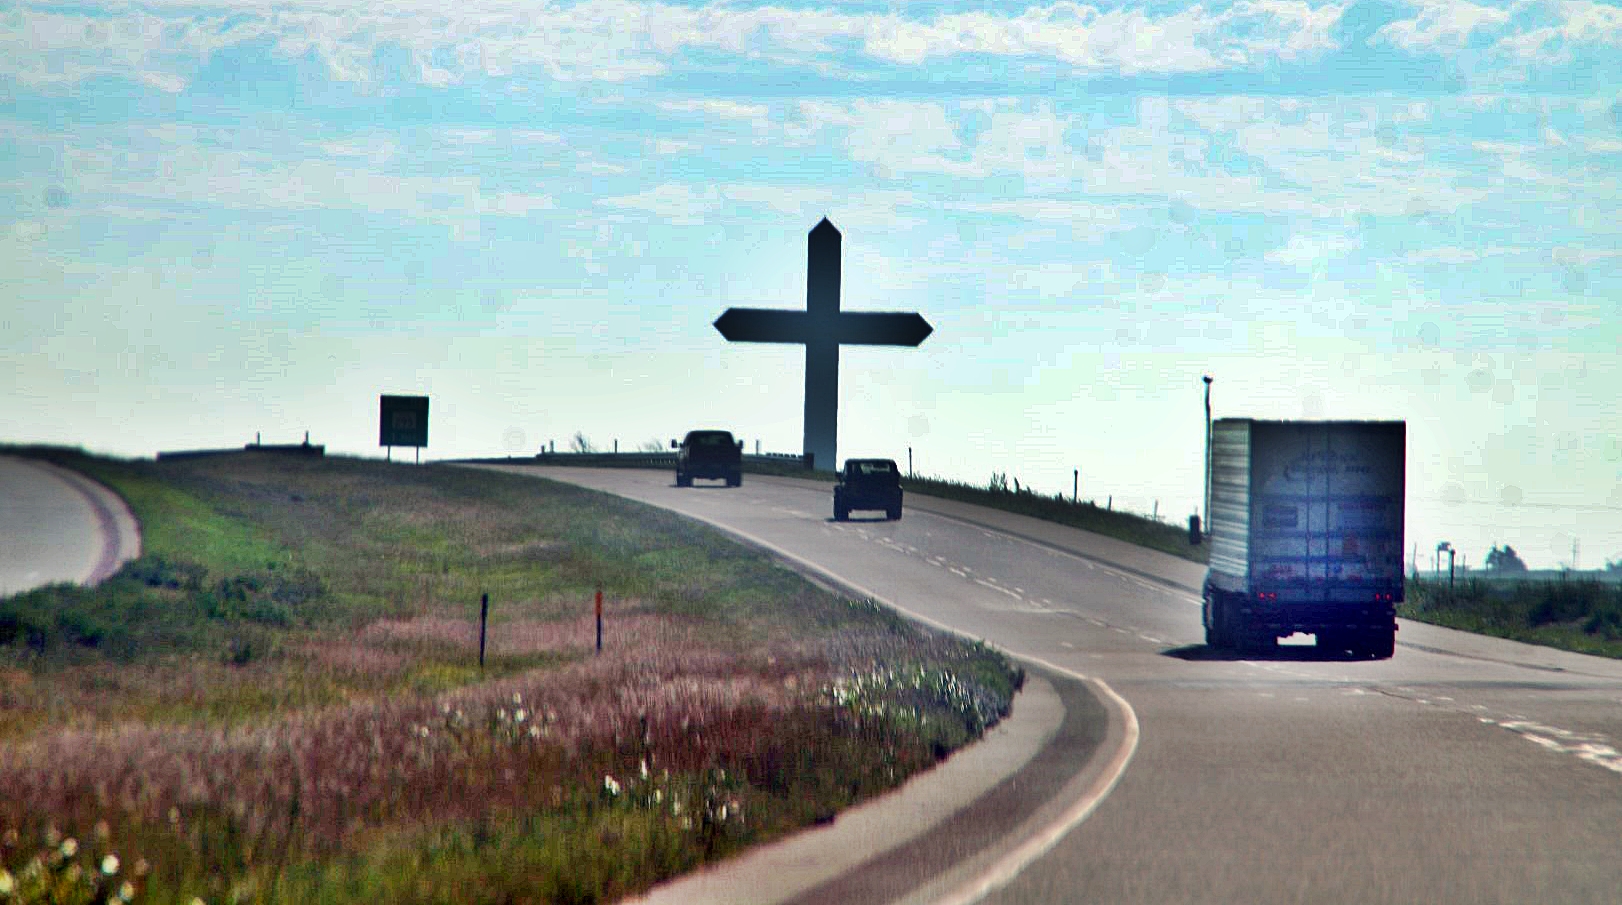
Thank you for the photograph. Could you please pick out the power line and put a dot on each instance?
(1601, 507)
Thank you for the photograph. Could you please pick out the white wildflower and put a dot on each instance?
(534, 731)
(70, 847)
(109, 865)
(609, 785)
(518, 699)
(519, 715)
(126, 891)
(7, 884)
(644, 766)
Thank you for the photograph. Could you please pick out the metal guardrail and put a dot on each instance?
(659, 459)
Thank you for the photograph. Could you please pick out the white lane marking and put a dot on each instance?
(1008, 866)
(1588, 748)
(958, 572)
(999, 589)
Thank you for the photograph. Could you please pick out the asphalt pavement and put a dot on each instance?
(1465, 769)
(59, 526)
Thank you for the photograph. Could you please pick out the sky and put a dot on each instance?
(222, 218)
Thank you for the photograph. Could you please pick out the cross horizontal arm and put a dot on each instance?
(851, 328)
(882, 328)
(763, 325)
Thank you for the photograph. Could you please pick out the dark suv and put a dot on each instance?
(708, 454)
(868, 484)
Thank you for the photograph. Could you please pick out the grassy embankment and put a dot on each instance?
(280, 701)
(1576, 614)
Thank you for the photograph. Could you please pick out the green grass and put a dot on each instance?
(1581, 615)
(280, 700)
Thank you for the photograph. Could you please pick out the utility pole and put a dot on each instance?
(1207, 511)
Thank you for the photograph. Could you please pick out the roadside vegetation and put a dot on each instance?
(281, 700)
(1572, 613)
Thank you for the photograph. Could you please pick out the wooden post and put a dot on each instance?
(599, 620)
(484, 618)
(1075, 484)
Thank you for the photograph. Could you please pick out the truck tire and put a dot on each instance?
(1218, 635)
(894, 514)
(735, 480)
(1256, 641)
(1379, 644)
(1333, 643)
(683, 480)
(841, 513)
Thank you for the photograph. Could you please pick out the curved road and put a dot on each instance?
(59, 526)
(1465, 769)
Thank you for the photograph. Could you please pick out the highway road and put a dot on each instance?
(59, 526)
(1465, 769)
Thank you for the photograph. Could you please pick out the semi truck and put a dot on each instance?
(1305, 524)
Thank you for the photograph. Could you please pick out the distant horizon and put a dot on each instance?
(231, 215)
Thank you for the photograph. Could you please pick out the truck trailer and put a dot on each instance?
(1306, 528)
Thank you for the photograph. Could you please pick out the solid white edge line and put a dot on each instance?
(1008, 866)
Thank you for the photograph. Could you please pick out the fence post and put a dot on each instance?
(484, 619)
(599, 620)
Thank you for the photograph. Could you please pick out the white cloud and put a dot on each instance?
(620, 40)
(514, 204)
(672, 202)
(897, 137)
(1578, 23)
(1117, 40)
(28, 231)
(1442, 25)
(1309, 251)
(716, 107)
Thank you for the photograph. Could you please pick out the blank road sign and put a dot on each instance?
(403, 421)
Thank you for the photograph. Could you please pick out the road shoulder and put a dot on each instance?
(954, 824)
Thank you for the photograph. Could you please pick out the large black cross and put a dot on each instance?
(822, 328)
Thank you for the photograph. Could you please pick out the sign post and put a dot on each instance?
(822, 328)
(403, 421)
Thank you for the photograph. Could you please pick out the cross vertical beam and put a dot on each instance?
(823, 250)
(822, 328)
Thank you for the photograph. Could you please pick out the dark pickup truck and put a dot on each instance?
(868, 484)
(708, 454)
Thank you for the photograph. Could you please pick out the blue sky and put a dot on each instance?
(229, 217)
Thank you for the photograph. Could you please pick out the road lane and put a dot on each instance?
(1465, 769)
(57, 525)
